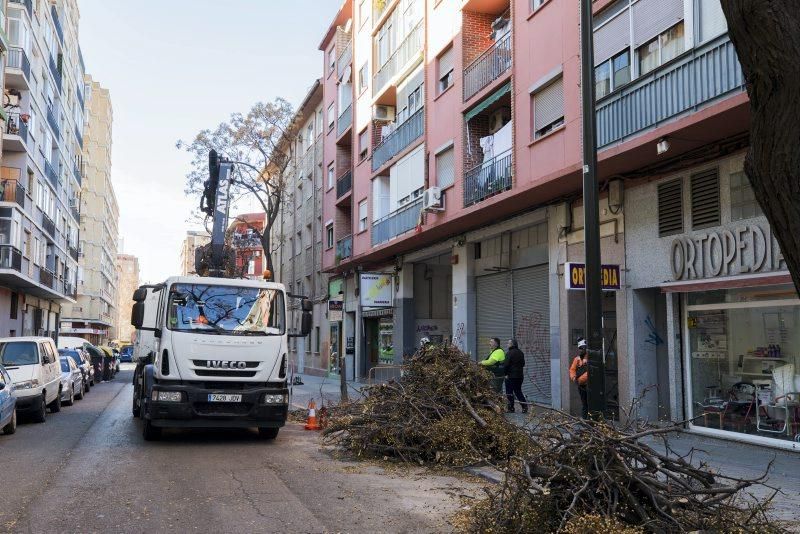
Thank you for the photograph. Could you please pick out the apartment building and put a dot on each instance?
(297, 235)
(94, 316)
(127, 267)
(244, 231)
(453, 205)
(193, 240)
(41, 165)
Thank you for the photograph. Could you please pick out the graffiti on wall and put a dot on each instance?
(458, 338)
(532, 337)
(652, 338)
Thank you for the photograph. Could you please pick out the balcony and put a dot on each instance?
(397, 141)
(56, 73)
(16, 139)
(487, 67)
(53, 122)
(10, 258)
(49, 226)
(410, 49)
(308, 262)
(27, 3)
(701, 76)
(489, 178)
(308, 212)
(344, 184)
(345, 120)
(79, 135)
(344, 59)
(344, 248)
(18, 61)
(51, 173)
(57, 23)
(46, 278)
(12, 191)
(73, 252)
(307, 164)
(77, 172)
(396, 223)
(79, 93)
(245, 241)
(73, 209)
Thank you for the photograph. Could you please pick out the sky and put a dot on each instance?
(175, 67)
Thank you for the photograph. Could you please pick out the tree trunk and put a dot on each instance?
(766, 35)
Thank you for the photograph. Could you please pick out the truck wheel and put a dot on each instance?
(55, 406)
(150, 432)
(41, 414)
(136, 408)
(11, 427)
(268, 432)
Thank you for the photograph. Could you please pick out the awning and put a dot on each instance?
(3, 115)
(732, 282)
(488, 101)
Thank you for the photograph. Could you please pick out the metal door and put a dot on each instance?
(532, 329)
(493, 310)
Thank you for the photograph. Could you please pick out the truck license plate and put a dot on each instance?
(224, 397)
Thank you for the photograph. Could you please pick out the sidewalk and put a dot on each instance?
(320, 389)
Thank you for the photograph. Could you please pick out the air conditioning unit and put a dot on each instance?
(432, 199)
(383, 113)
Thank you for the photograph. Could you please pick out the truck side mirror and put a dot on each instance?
(305, 321)
(140, 295)
(306, 305)
(137, 314)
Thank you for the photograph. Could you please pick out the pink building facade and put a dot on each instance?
(452, 203)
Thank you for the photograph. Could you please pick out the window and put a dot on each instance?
(331, 117)
(612, 74)
(705, 199)
(444, 70)
(251, 267)
(14, 305)
(743, 202)
(329, 236)
(536, 4)
(331, 59)
(331, 177)
(316, 339)
(362, 215)
(363, 12)
(445, 168)
(363, 76)
(548, 108)
(363, 145)
(661, 49)
(712, 19)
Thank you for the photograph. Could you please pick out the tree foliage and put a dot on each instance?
(258, 142)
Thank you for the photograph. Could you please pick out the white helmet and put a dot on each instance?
(424, 341)
(582, 344)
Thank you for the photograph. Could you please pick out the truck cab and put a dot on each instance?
(212, 352)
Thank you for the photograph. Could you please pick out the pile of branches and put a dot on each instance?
(592, 469)
(442, 410)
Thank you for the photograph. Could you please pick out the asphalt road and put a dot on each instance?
(87, 469)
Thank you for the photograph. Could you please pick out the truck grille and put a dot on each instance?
(222, 408)
(224, 372)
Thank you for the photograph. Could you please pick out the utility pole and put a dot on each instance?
(591, 217)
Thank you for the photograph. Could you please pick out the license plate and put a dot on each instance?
(224, 397)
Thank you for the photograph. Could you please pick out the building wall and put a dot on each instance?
(193, 240)
(128, 274)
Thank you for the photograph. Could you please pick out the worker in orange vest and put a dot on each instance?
(579, 374)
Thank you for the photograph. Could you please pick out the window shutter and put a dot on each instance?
(445, 168)
(651, 17)
(612, 38)
(705, 199)
(446, 62)
(712, 19)
(548, 105)
(670, 208)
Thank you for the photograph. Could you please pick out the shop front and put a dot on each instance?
(376, 298)
(335, 318)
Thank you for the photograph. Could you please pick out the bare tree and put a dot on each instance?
(766, 35)
(258, 142)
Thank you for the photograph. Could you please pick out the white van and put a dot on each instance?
(33, 364)
(70, 342)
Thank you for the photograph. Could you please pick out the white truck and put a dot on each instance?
(218, 354)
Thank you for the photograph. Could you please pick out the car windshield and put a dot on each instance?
(19, 353)
(226, 310)
(64, 365)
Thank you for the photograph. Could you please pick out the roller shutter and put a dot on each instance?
(651, 17)
(494, 299)
(532, 329)
(612, 37)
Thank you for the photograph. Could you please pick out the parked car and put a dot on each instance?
(113, 362)
(8, 404)
(81, 359)
(99, 361)
(126, 354)
(72, 385)
(32, 363)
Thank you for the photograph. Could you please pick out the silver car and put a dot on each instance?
(72, 383)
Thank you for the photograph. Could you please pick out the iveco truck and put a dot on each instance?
(216, 354)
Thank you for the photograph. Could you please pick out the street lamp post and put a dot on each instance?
(594, 303)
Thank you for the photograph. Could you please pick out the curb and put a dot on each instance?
(487, 473)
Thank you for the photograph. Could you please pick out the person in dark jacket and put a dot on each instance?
(515, 362)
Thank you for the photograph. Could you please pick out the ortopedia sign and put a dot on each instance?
(575, 276)
(376, 290)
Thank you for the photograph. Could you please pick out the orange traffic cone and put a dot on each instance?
(311, 422)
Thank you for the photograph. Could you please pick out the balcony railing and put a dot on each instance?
(307, 164)
(396, 223)
(12, 191)
(79, 93)
(345, 120)
(73, 252)
(394, 143)
(704, 74)
(56, 73)
(408, 49)
(18, 59)
(344, 59)
(488, 67)
(46, 278)
(69, 289)
(10, 258)
(57, 23)
(244, 241)
(344, 248)
(489, 178)
(49, 226)
(53, 122)
(16, 126)
(77, 171)
(73, 208)
(27, 3)
(344, 184)
(51, 173)
(79, 135)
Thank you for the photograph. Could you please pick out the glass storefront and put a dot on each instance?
(743, 361)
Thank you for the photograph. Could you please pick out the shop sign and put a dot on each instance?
(745, 249)
(376, 290)
(575, 276)
(335, 309)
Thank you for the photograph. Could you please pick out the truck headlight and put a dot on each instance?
(280, 398)
(27, 384)
(167, 396)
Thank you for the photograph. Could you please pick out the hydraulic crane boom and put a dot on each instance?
(215, 203)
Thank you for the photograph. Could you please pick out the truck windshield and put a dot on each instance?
(226, 310)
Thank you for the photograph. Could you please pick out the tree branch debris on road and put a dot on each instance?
(561, 473)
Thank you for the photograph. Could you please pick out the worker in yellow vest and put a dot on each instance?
(495, 363)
